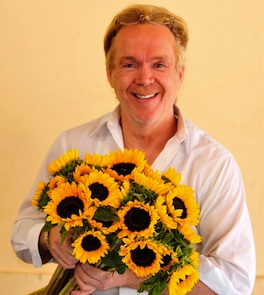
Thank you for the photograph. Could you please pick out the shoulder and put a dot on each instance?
(89, 127)
(211, 166)
(79, 137)
(199, 141)
(206, 156)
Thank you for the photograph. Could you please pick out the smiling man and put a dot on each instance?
(146, 77)
(145, 53)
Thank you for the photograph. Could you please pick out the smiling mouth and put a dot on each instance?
(143, 97)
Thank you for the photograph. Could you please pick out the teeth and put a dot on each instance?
(145, 96)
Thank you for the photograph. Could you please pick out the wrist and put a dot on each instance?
(46, 239)
(44, 248)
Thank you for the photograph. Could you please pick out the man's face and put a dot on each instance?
(144, 73)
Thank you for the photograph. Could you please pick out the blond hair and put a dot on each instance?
(137, 14)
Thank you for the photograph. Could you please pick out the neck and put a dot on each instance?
(149, 139)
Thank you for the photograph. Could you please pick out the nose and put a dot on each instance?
(144, 76)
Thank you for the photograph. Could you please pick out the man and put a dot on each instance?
(145, 54)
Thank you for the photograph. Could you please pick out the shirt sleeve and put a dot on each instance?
(25, 235)
(227, 252)
(29, 222)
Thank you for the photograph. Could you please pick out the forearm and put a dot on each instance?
(25, 238)
(199, 289)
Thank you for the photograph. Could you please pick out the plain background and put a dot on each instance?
(52, 77)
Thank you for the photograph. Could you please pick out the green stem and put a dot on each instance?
(58, 280)
(39, 292)
(69, 287)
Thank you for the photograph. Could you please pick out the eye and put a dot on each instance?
(130, 65)
(159, 65)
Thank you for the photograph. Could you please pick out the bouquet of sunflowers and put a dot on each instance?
(124, 215)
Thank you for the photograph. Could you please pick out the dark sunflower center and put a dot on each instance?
(166, 260)
(69, 206)
(179, 204)
(143, 257)
(99, 191)
(90, 243)
(123, 168)
(137, 219)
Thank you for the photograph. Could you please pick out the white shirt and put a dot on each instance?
(227, 252)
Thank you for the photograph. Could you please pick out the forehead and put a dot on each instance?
(143, 39)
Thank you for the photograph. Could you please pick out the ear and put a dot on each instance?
(181, 75)
(109, 76)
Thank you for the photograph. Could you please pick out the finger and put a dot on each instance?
(61, 251)
(63, 256)
(80, 292)
(84, 280)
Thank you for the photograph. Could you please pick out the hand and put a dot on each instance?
(91, 278)
(62, 251)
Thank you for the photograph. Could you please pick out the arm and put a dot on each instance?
(50, 246)
(27, 239)
(227, 252)
(201, 289)
(26, 234)
(91, 278)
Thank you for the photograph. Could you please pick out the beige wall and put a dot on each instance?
(52, 77)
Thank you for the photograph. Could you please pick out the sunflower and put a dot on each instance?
(66, 163)
(194, 259)
(165, 218)
(68, 206)
(104, 190)
(183, 280)
(171, 175)
(97, 161)
(80, 171)
(137, 220)
(125, 188)
(125, 163)
(142, 257)
(107, 226)
(189, 234)
(149, 172)
(90, 247)
(157, 186)
(169, 257)
(56, 182)
(41, 197)
(182, 205)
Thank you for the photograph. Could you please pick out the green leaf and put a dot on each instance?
(43, 198)
(168, 238)
(179, 251)
(159, 288)
(106, 213)
(114, 261)
(63, 233)
(48, 226)
(154, 285)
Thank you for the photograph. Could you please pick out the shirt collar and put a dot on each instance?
(181, 134)
(112, 122)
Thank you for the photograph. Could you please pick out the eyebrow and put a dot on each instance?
(127, 58)
(132, 58)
